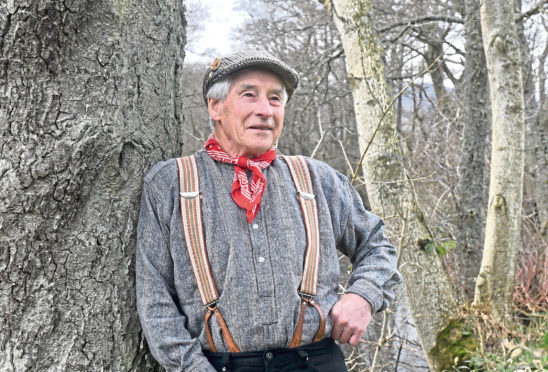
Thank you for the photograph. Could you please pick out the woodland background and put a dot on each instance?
(93, 93)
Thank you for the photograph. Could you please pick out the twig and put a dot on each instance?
(318, 116)
(438, 202)
(534, 10)
(419, 20)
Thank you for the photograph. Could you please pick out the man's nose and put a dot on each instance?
(263, 107)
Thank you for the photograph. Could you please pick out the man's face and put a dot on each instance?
(250, 120)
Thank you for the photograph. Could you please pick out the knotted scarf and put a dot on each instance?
(245, 196)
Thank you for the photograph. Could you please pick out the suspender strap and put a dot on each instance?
(191, 219)
(300, 173)
(305, 192)
(230, 343)
(297, 335)
(191, 216)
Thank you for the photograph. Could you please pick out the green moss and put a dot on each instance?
(455, 345)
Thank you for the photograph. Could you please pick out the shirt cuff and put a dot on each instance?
(369, 292)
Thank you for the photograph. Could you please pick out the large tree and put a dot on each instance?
(494, 287)
(90, 97)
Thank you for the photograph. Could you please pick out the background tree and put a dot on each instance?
(471, 195)
(430, 292)
(536, 141)
(495, 283)
(90, 97)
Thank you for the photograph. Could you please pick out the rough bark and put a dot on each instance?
(535, 179)
(430, 293)
(502, 236)
(472, 201)
(541, 176)
(541, 151)
(90, 97)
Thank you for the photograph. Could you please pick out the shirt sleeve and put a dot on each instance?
(374, 266)
(162, 319)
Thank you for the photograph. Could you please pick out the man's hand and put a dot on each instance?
(349, 318)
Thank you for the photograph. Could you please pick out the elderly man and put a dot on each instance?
(237, 246)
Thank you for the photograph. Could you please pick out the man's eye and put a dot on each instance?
(248, 94)
(275, 98)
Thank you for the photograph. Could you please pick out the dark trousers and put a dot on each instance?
(323, 356)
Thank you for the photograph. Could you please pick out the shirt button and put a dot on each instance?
(261, 259)
(255, 226)
(269, 355)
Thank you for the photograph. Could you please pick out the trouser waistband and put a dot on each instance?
(320, 356)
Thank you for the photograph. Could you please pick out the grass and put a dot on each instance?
(523, 347)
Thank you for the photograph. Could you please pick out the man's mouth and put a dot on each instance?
(261, 127)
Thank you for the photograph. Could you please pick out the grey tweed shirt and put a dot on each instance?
(257, 267)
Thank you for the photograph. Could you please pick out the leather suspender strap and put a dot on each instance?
(300, 173)
(191, 219)
(230, 343)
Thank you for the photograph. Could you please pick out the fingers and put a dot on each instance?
(346, 334)
(355, 338)
(344, 330)
(349, 319)
(337, 329)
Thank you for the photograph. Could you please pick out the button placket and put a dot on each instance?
(263, 271)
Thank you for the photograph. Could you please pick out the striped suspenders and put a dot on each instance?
(191, 219)
(309, 283)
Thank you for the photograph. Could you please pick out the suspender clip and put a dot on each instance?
(306, 297)
(189, 195)
(212, 305)
(305, 195)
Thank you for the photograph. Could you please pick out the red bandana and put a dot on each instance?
(241, 194)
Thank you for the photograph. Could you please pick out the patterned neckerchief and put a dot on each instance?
(244, 195)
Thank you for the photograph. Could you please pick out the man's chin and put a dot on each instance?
(257, 151)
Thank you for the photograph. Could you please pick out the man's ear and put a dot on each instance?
(213, 107)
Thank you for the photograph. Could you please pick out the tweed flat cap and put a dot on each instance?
(222, 67)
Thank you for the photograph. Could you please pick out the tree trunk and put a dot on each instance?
(472, 201)
(541, 152)
(535, 179)
(541, 177)
(90, 97)
(502, 237)
(430, 293)
(434, 61)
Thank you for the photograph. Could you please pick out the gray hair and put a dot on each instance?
(220, 89)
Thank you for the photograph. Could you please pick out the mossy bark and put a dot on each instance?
(455, 345)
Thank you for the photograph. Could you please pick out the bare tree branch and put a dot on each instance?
(420, 20)
(540, 7)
